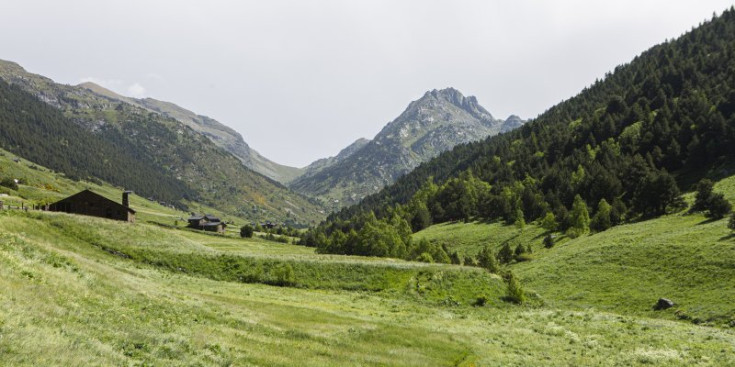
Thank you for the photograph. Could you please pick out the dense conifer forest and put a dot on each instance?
(620, 151)
(41, 133)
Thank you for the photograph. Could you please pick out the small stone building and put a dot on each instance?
(207, 222)
(89, 203)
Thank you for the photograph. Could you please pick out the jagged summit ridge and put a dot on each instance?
(430, 125)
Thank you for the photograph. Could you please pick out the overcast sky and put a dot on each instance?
(300, 80)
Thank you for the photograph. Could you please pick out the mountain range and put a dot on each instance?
(437, 122)
(183, 155)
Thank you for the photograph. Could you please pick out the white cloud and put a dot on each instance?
(136, 90)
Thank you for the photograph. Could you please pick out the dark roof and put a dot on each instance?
(211, 218)
(196, 217)
(88, 192)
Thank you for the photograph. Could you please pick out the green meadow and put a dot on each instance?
(78, 290)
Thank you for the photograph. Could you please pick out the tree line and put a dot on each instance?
(617, 152)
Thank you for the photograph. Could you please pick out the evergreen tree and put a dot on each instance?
(486, 259)
(718, 207)
(505, 255)
(519, 222)
(703, 195)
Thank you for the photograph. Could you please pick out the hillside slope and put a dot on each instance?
(166, 160)
(684, 257)
(222, 135)
(436, 122)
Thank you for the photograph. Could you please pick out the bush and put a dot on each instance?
(9, 183)
(549, 241)
(516, 294)
(505, 255)
(469, 261)
(426, 257)
(284, 275)
(714, 203)
(731, 223)
(480, 301)
(718, 206)
(246, 231)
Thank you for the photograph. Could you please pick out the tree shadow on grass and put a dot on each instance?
(727, 237)
(708, 221)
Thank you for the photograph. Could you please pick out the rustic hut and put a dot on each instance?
(207, 222)
(89, 203)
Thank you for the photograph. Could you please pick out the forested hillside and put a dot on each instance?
(619, 151)
(84, 135)
(67, 147)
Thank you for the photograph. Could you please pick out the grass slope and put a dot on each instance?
(67, 301)
(684, 257)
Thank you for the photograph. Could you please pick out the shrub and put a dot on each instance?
(470, 261)
(718, 206)
(549, 241)
(516, 294)
(480, 301)
(426, 257)
(731, 222)
(283, 275)
(714, 203)
(246, 231)
(9, 183)
(505, 255)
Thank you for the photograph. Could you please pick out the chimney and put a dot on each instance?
(125, 200)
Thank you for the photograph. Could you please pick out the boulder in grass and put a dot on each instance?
(662, 304)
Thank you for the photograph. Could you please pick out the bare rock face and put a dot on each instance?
(435, 123)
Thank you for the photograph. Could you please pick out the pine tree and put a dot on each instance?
(505, 255)
(486, 259)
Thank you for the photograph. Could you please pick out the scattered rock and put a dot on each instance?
(662, 304)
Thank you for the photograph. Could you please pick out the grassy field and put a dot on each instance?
(78, 290)
(69, 299)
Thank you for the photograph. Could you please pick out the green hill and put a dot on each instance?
(87, 135)
(684, 257)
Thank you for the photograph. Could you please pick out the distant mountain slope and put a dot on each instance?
(437, 122)
(667, 118)
(185, 164)
(220, 134)
(323, 163)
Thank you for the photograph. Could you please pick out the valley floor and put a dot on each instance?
(68, 298)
